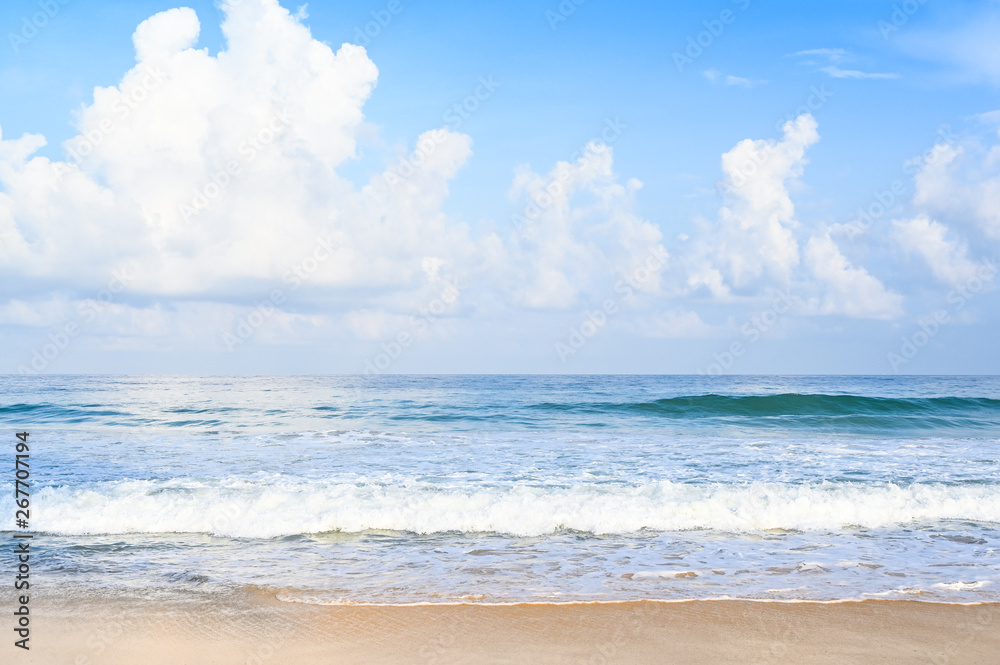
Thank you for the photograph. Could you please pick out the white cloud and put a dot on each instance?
(673, 324)
(754, 236)
(934, 180)
(578, 232)
(754, 247)
(989, 117)
(969, 48)
(166, 34)
(195, 325)
(831, 54)
(376, 324)
(36, 314)
(216, 173)
(947, 258)
(838, 73)
(848, 290)
(827, 56)
(217, 176)
(962, 185)
(715, 76)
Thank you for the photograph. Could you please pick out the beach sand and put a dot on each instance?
(254, 627)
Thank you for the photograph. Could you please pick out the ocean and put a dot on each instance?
(504, 489)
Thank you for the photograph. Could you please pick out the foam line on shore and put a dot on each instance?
(279, 507)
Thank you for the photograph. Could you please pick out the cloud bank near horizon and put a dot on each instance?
(203, 182)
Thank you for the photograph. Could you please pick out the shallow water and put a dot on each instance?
(511, 488)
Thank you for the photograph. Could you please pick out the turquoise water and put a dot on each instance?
(515, 488)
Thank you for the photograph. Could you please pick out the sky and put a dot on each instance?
(736, 186)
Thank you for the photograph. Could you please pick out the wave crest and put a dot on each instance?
(241, 508)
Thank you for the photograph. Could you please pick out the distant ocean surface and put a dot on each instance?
(498, 489)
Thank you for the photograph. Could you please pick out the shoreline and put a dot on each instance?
(253, 626)
(665, 601)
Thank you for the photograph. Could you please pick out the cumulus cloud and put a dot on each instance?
(946, 257)
(757, 246)
(216, 178)
(577, 231)
(848, 290)
(962, 183)
(219, 171)
(165, 34)
(754, 239)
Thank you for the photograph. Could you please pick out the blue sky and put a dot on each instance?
(671, 247)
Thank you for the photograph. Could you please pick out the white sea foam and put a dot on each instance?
(285, 506)
(963, 586)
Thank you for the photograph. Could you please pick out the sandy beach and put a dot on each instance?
(255, 628)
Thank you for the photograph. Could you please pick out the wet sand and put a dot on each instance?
(255, 628)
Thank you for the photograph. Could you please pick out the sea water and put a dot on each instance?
(498, 489)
